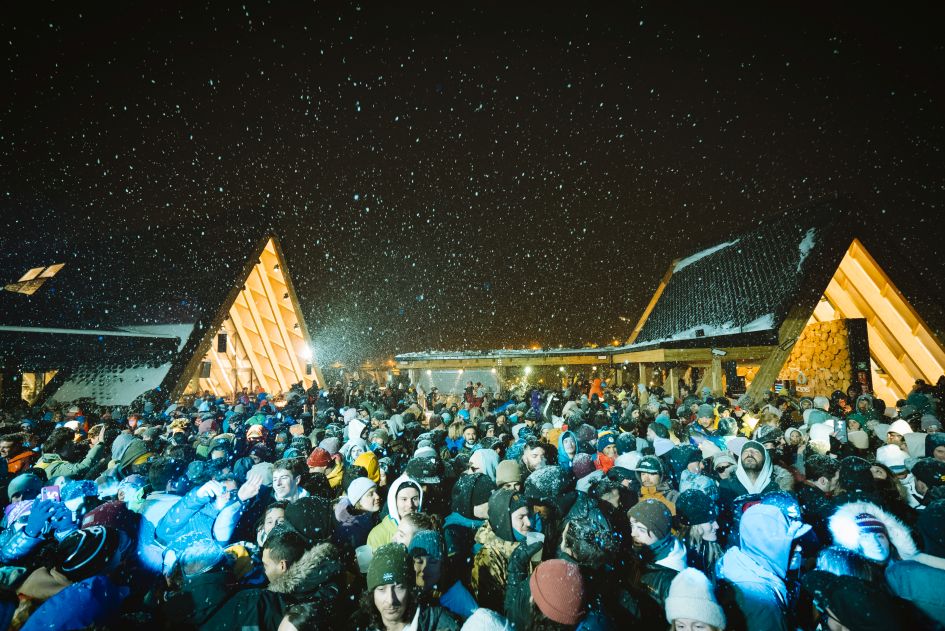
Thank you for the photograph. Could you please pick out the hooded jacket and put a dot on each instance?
(498, 541)
(757, 567)
(20, 462)
(54, 465)
(313, 579)
(194, 515)
(384, 531)
(564, 460)
(740, 484)
(487, 460)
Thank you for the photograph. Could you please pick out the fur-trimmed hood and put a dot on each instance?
(846, 533)
(316, 567)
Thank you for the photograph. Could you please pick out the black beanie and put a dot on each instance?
(855, 474)
(695, 507)
(87, 552)
(470, 491)
(312, 517)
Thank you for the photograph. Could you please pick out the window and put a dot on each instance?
(32, 280)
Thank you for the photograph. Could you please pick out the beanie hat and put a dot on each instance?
(650, 464)
(705, 411)
(558, 590)
(426, 543)
(660, 430)
(470, 491)
(390, 566)
(695, 507)
(893, 457)
(928, 422)
(626, 443)
(358, 488)
(691, 596)
(929, 471)
(332, 445)
(26, 485)
(606, 440)
(856, 604)
(319, 458)
(900, 427)
(654, 515)
(859, 439)
(312, 517)
(582, 465)
(86, 552)
(508, 471)
(855, 474)
(586, 433)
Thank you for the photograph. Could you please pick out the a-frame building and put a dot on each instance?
(765, 301)
(158, 317)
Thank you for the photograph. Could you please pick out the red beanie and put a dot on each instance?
(319, 458)
(558, 590)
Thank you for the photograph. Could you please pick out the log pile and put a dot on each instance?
(820, 360)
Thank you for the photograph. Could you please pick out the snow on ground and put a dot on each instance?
(698, 256)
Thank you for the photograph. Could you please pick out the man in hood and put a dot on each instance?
(757, 567)
(404, 497)
(752, 474)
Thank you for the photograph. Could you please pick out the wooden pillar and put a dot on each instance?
(645, 395)
(715, 376)
(673, 384)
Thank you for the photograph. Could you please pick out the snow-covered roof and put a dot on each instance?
(500, 353)
(745, 286)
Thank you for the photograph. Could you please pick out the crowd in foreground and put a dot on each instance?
(394, 509)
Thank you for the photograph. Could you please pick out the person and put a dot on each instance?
(357, 511)
(508, 525)
(698, 530)
(653, 483)
(296, 572)
(815, 494)
(849, 603)
(606, 452)
(691, 604)
(391, 601)
(59, 451)
(508, 475)
(663, 556)
(286, 474)
(756, 568)
(405, 497)
(753, 474)
(18, 457)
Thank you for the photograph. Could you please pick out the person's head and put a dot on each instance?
(607, 445)
(691, 604)
(752, 457)
(409, 526)
(164, 471)
(697, 511)
(470, 435)
(319, 460)
(508, 475)
(407, 498)
(533, 456)
(823, 472)
(509, 515)
(427, 551)
(569, 443)
(282, 549)
(724, 465)
(285, 478)
(650, 471)
(274, 515)
(650, 522)
(390, 585)
(363, 496)
(11, 445)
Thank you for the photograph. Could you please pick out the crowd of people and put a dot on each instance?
(589, 507)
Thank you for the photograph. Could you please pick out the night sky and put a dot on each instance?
(450, 178)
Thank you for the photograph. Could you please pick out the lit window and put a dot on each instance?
(32, 280)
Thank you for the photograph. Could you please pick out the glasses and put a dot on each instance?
(722, 469)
